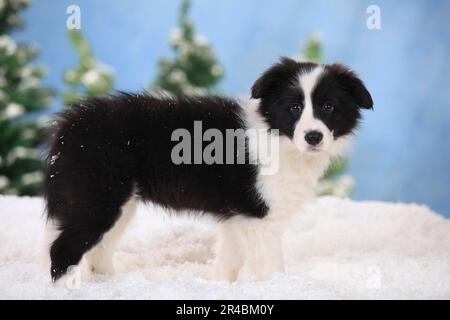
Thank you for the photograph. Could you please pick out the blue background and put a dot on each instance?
(402, 151)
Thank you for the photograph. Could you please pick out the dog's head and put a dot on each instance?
(313, 105)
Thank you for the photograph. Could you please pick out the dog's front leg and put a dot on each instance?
(263, 248)
(230, 250)
(248, 249)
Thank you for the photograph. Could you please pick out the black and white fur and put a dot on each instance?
(107, 153)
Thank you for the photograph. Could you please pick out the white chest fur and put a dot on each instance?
(295, 180)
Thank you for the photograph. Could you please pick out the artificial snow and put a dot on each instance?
(334, 249)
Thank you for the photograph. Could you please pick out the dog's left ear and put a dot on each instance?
(353, 85)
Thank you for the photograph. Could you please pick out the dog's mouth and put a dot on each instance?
(315, 149)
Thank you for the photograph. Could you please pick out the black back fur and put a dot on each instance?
(105, 149)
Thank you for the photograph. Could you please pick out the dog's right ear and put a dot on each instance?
(272, 78)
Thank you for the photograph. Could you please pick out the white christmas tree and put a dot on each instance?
(21, 96)
(90, 77)
(193, 69)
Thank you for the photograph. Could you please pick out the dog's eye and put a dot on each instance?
(296, 108)
(328, 108)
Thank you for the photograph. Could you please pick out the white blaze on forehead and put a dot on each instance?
(308, 82)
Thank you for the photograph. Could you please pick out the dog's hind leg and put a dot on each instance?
(83, 212)
(100, 257)
(79, 236)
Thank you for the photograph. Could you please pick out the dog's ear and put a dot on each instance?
(353, 85)
(273, 77)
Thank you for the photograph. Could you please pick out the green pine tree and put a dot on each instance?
(193, 69)
(334, 182)
(90, 77)
(21, 96)
(312, 50)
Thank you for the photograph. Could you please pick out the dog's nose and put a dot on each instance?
(313, 137)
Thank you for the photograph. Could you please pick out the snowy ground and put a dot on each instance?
(338, 249)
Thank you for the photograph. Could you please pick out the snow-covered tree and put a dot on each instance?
(21, 95)
(312, 50)
(193, 69)
(334, 181)
(90, 77)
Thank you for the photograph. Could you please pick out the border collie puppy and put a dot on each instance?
(106, 153)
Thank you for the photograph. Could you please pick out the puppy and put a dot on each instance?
(107, 153)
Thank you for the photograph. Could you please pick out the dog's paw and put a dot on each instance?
(246, 274)
(223, 274)
(70, 280)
